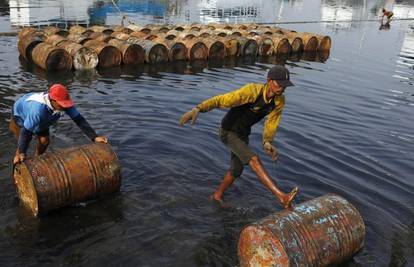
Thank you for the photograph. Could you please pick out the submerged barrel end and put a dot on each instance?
(25, 189)
(258, 247)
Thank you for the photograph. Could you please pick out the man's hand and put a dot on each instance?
(18, 158)
(190, 115)
(271, 150)
(101, 139)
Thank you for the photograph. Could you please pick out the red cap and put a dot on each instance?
(60, 94)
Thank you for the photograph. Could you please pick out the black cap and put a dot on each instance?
(281, 75)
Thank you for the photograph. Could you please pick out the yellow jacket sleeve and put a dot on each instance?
(273, 119)
(245, 94)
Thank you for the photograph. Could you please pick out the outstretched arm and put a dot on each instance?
(246, 94)
(84, 125)
(88, 130)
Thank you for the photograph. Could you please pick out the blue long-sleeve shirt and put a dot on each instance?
(34, 114)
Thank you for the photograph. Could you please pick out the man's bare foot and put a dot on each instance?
(287, 201)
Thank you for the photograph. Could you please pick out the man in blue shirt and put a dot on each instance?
(34, 113)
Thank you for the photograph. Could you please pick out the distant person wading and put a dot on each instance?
(34, 113)
(249, 105)
(386, 14)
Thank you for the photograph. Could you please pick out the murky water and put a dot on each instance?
(347, 128)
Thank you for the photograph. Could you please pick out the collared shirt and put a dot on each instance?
(34, 112)
(249, 94)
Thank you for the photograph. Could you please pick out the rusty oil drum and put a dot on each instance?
(321, 232)
(59, 179)
(51, 58)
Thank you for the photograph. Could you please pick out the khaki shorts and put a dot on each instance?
(241, 154)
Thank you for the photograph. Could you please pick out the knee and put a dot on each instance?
(44, 140)
(254, 160)
(237, 171)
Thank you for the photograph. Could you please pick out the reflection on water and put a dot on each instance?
(90, 12)
(179, 67)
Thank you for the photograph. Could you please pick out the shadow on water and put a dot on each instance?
(131, 72)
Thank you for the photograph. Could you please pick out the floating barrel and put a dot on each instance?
(154, 52)
(324, 42)
(248, 47)
(51, 58)
(77, 38)
(177, 50)
(296, 43)
(131, 53)
(265, 44)
(310, 42)
(216, 48)
(231, 44)
(281, 44)
(82, 57)
(109, 56)
(101, 29)
(54, 39)
(196, 49)
(59, 179)
(122, 29)
(26, 44)
(320, 232)
(79, 30)
(50, 30)
(120, 35)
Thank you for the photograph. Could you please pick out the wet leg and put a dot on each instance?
(42, 144)
(285, 199)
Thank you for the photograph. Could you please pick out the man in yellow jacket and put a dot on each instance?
(248, 105)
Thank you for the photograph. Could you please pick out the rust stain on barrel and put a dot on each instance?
(26, 44)
(281, 44)
(109, 56)
(51, 58)
(54, 39)
(154, 52)
(82, 57)
(131, 53)
(321, 232)
(68, 176)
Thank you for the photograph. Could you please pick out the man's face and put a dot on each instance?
(56, 105)
(275, 88)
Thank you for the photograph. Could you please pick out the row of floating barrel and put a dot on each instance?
(53, 48)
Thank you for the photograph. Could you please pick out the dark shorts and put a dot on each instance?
(241, 154)
(15, 126)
